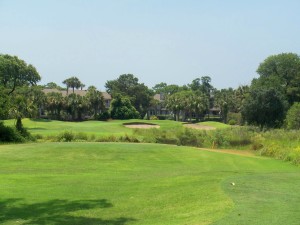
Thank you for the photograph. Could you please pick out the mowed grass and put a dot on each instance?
(214, 124)
(99, 128)
(118, 184)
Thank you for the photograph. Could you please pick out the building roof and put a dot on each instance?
(106, 96)
(159, 97)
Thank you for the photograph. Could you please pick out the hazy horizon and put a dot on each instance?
(157, 41)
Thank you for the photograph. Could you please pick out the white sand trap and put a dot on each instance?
(199, 127)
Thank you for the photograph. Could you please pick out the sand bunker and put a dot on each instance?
(199, 127)
(141, 125)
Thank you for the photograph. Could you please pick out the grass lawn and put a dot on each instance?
(217, 125)
(118, 184)
(99, 128)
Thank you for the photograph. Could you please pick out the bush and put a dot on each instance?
(232, 122)
(236, 117)
(22, 130)
(280, 144)
(294, 156)
(103, 116)
(66, 136)
(10, 134)
(293, 117)
(153, 117)
(121, 108)
(217, 139)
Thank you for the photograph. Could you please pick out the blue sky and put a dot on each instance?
(172, 41)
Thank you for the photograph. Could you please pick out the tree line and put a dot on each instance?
(271, 100)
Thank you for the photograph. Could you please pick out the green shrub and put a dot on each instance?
(217, 138)
(271, 150)
(66, 136)
(237, 117)
(153, 117)
(103, 116)
(10, 134)
(232, 122)
(275, 150)
(294, 156)
(23, 131)
(121, 108)
(292, 120)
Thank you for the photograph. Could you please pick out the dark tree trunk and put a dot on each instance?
(19, 125)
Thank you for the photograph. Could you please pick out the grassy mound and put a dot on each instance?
(215, 124)
(118, 184)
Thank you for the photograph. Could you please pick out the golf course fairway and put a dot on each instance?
(119, 183)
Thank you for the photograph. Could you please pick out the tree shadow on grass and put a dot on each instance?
(36, 128)
(55, 212)
(40, 120)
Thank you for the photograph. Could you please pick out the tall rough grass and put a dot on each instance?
(223, 138)
(279, 144)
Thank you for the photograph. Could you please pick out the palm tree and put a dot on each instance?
(67, 82)
(200, 104)
(82, 86)
(73, 82)
(95, 100)
(174, 103)
(240, 95)
(54, 104)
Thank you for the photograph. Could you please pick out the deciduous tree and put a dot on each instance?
(265, 107)
(16, 79)
(128, 85)
(285, 68)
(121, 108)
(293, 117)
(15, 73)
